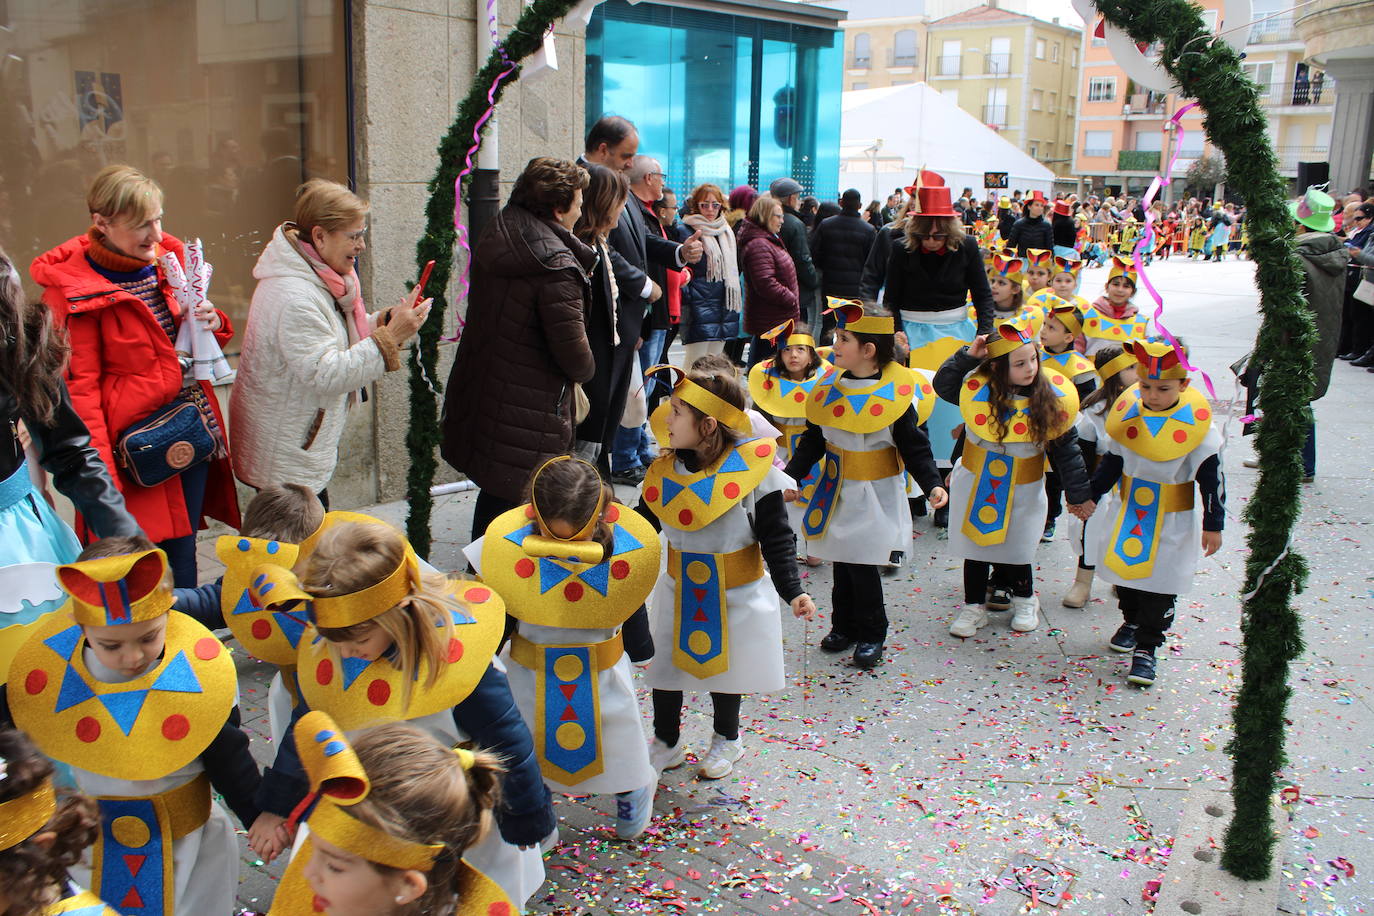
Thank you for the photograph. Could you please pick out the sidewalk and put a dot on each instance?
(910, 788)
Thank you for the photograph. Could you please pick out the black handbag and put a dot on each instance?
(176, 436)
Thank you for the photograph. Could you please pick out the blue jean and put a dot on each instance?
(181, 551)
(631, 446)
(1309, 451)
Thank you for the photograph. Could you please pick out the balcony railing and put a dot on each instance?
(995, 115)
(997, 64)
(860, 63)
(950, 65)
(1290, 156)
(1090, 153)
(1273, 31)
(1138, 160)
(1311, 92)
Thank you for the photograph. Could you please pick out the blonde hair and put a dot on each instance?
(352, 556)
(762, 209)
(724, 384)
(422, 793)
(124, 191)
(326, 204)
(289, 513)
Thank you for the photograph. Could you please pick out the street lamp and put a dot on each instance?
(872, 153)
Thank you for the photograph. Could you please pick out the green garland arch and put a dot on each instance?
(1210, 71)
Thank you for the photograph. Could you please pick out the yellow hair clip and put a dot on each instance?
(465, 758)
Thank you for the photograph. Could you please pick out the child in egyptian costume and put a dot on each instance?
(1063, 285)
(1113, 318)
(575, 568)
(1017, 414)
(1163, 453)
(392, 642)
(139, 701)
(392, 814)
(718, 500)
(864, 426)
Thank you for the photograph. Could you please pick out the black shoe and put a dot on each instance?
(1364, 362)
(868, 654)
(630, 478)
(999, 598)
(1142, 668)
(895, 559)
(942, 517)
(918, 507)
(1349, 355)
(1124, 638)
(835, 642)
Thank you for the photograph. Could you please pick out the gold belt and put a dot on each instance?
(1173, 497)
(187, 806)
(604, 654)
(1023, 470)
(738, 567)
(872, 464)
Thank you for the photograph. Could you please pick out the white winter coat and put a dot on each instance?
(296, 362)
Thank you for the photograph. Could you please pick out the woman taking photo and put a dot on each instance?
(311, 343)
(769, 274)
(510, 403)
(712, 301)
(109, 290)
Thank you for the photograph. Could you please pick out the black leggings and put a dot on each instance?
(1151, 612)
(668, 715)
(856, 603)
(1015, 576)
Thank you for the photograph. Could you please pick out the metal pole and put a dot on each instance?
(484, 190)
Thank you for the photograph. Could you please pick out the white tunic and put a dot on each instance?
(752, 611)
(1029, 506)
(1180, 537)
(624, 753)
(205, 862)
(1091, 426)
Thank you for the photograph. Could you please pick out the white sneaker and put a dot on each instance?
(720, 759)
(662, 757)
(634, 810)
(1025, 613)
(967, 621)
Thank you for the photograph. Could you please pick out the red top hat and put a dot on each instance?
(932, 197)
(1037, 195)
(1061, 207)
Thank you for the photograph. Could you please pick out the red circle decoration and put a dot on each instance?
(261, 629)
(979, 419)
(730, 490)
(1057, 379)
(1121, 405)
(36, 682)
(763, 450)
(1203, 413)
(378, 692)
(455, 651)
(1132, 432)
(1180, 436)
(1063, 416)
(529, 511)
(175, 727)
(500, 908)
(477, 595)
(904, 390)
(207, 648)
(324, 672)
(839, 410)
(767, 384)
(612, 513)
(573, 591)
(972, 384)
(620, 569)
(651, 494)
(876, 410)
(926, 389)
(524, 567)
(819, 395)
(1019, 429)
(88, 729)
(799, 396)
(685, 517)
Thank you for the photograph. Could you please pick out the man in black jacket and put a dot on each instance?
(613, 142)
(840, 248)
(1032, 230)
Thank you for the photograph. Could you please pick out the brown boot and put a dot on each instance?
(1081, 590)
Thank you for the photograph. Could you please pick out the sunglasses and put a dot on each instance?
(934, 236)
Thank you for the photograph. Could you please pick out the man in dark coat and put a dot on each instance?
(840, 247)
(788, 192)
(1032, 230)
(614, 142)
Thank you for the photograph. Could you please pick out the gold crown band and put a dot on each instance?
(842, 309)
(689, 392)
(109, 591)
(339, 611)
(336, 826)
(1000, 343)
(586, 530)
(22, 817)
(1116, 365)
(1070, 317)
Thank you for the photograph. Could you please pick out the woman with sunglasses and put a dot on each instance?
(712, 301)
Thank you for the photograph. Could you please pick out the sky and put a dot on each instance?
(1048, 9)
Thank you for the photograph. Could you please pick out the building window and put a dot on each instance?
(1054, 53)
(1263, 75)
(1034, 150)
(998, 58)
(951, 58)
(1037, 99)
(858, 86)
(1098, 143)
(995, 109)
(1101, 88)
(903, 82)
(1039, 49)
(1073, 58)
(863, 52)
(1054, 102)
(904, 48)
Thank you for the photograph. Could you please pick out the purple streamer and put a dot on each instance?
(1147, 238)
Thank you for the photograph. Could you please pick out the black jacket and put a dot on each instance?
(65, 451)
(875, 267)
(839, 248)
(961, 273)
(1064, 232)
(1031, 232)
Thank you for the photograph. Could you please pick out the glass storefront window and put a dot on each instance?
(719, 98)
(228, 104)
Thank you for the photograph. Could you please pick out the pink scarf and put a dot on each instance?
(346, 290)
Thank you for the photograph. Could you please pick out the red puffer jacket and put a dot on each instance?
(770, 279)
(123, 368)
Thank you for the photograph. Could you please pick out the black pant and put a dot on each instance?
(1151, 612)
(734, 348)
(485, 511)
(1015, 576)
(1056, 497)
(1357, 319)
(324, 498)
(668, 715)
(856, 603)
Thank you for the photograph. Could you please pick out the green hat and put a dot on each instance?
(1313, 210)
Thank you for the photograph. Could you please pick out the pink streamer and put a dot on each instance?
(1148, 237)
(458, 226)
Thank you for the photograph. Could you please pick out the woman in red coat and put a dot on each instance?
(770, 277)
(107, 288)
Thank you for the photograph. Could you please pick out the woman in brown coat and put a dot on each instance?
(510, 398)
(770, 277)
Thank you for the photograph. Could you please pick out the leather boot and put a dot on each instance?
(1365, 361)
(1081, 590)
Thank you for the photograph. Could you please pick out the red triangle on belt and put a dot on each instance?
(568, 691)
(700, 615)
(132, 901)
(699, 594)
(1136, 530)
(134, 864)
(568, 715)
(1141, 513)
(992, 499)
(994, 483)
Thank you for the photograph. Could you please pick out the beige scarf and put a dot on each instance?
(718, 243)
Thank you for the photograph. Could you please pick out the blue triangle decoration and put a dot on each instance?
(1133, 411)
(857, 401)
(244, 605)
(832, 394)
(519, 534)
(290, 627)
(462, 618)
(671, 488)
(64, 642)
(550, 574)
(597, 577)
(1155, 424)
(352, 667)
(73, 691)
(124, 707)
(982, 393)
(1184, 414)
(733, 463)
(886, 392)
(178, 677)
(624, 542)
(703, 488)
(95, 910)
(786, 386)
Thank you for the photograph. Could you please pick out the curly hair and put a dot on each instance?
(33, 352)
(30, 871)
(1042, 411)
